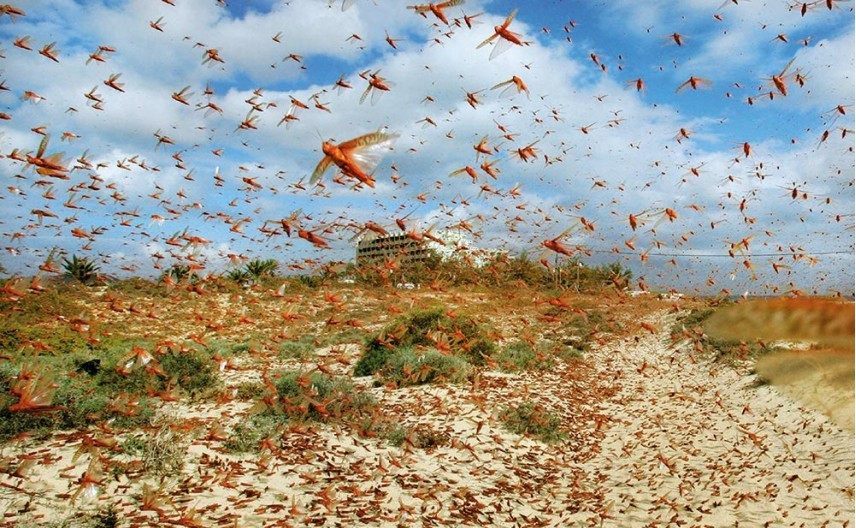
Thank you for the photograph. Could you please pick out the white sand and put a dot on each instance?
(681, 442)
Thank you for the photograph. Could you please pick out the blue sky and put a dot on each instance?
(604, 149)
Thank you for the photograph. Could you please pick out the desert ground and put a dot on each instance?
(590, 410)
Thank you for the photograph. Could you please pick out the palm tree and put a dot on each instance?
(259, 268)
(239, 275)
(81, 269)
(177, 273)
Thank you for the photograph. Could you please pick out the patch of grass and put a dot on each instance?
(302, 348)
(163, 451)
(585, 325)
(194, 371)
(411, 366)
(136, 287)
(349, 335)
(228, 348)
(33, 321)
(79, 402)
(247, 435)
(532, 419)
(374, 358)
(250, 390)
(107, 517)
(521, 355)
(434, 328)
(419, 437)
(693, 319)
(191, 370)
(321, 397)
(81, 399)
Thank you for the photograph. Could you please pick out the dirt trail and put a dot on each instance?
(701, 443)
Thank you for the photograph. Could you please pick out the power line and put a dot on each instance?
(720, 255)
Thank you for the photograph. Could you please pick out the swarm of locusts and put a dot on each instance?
(188, 339)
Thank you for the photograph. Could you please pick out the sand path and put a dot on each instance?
(699, 443)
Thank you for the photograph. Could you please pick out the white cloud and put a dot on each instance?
(627, 162)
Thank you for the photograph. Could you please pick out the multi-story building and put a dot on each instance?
(372, 248)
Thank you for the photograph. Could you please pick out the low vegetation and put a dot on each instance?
(118, 384)
(248, 435)
(321, 397)
(534, 420)
(522, 355)
(418, 437)
(162, 451)
(450, 334)
(411, 366)
(691, 327)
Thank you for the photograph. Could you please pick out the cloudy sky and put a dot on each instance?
(743, 182)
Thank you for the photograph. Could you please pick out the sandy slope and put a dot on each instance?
(699, 443)
(655, 438)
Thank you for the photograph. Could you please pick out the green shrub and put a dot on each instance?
(259, 268)
(373, 359)
(250, 390)
(521, 355)
(247, 435)
(194, 371)
(83, 269)
(419, 436)
(321, 397)
(239, 275)
(426, 328)
(81, 400)
(532, 419)
(410, 366)
(137, 286)
(301, 348)
(179, 273)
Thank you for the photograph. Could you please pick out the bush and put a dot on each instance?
(691, 326)
(81, 399)
(532, 419)
(430, 329)
(162, 452)
(301, 348)
(521, 355)
(259, 268)
(194, 371)
(419, 436)
(374, 358)
(137, 286)
(239, 275)
(321, 397)
(250, 390)
(247, 435)
(409, 366)
(178, 273)
(80, 269)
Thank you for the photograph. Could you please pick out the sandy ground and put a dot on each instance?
(821, 379)
(700, 444)
(656, 437)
